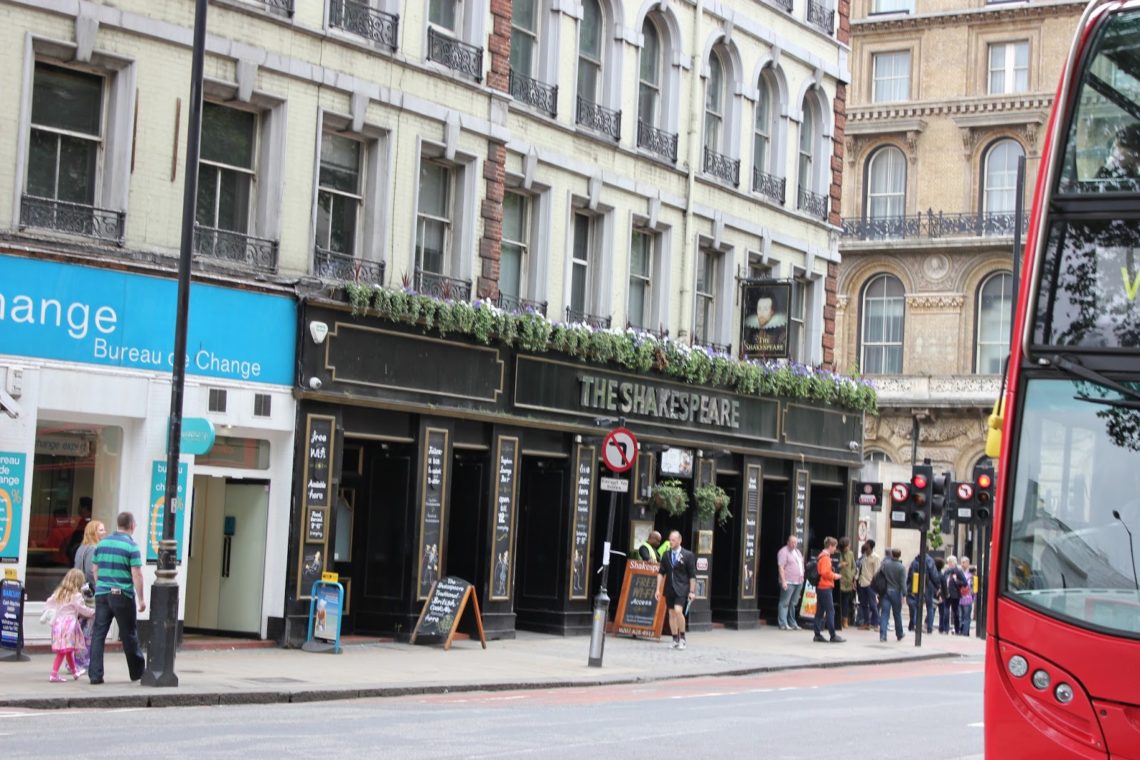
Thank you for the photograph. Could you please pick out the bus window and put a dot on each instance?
(1102, 152)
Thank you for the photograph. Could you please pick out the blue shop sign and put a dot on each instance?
(101, 316)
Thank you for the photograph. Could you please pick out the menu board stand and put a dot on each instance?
(440, 616)
(12, 620)
(640, 613)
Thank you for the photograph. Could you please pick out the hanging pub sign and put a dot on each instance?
(764, 319)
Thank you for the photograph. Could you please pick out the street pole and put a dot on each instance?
(983, 541)
(921, 586)
(602, 600)
(164, 593)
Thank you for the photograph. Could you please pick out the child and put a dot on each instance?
(66, 634)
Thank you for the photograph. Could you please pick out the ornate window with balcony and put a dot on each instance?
(515, 256)
(452, 29)
(808, 199)
(821, 16)
(766, 179)
(226, 171)
(592, 91)
(718, 139)
(881, 336)
(885, 203)
(361, 18)
(340, 250)
(995, 298)
(434, 219)
(65, 149)
(653, 92)
(528, 59)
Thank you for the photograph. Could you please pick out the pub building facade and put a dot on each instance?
(421, 456)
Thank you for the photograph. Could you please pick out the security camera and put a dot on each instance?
(853, 445)
(315, 383)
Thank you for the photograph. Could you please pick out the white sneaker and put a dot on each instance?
(675, 645)
(681, 645)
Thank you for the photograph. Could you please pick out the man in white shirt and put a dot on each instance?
(791, 564)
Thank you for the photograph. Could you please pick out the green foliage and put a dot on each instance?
(671, 496)
(712, 500)
(629, 349)
(934, 535)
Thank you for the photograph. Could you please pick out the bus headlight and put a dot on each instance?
(1018, 666)
(1063, 693)
(1040, 680)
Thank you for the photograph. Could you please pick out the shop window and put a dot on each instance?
(75, 478)
(241, 453)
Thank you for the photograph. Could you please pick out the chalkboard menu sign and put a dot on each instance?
(433, 463)
(800, 516)
(11, 614)
(320, 442)
(506, 495)
(639, 612)
(442, 611)
(585, 462)
(751, 531)
(644, 468)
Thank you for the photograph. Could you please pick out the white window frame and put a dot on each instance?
(424, 218)
(890, 76)
(587, 58)
(889, 198)
(659, 69)
(464, 188)
(525, 244)
(219, 168)
(892, 6)
(798, 321)
(865, 298)
(588, 265)
(93, 141)
(713, 136)
(990, 189)
(1000, 342)
(1009, 70)
(763, 133)
(645, 280)
(535, 36)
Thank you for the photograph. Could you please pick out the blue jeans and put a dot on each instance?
(121, 608)
(789, 597)
(964, 612)
(868, 606)
(824, 610)
(888, 603)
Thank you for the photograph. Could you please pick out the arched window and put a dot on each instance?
(886, 183)
(999, 194)
(807, 147)
(995, 298)
(762, 127)
(714, 104)
(882, 334)
(649, 84)
(590, 36)
(876, 455)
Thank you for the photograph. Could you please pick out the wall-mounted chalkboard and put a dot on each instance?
(506, 495)
(751, 531)
(639, 612)
(442, 611)
(585, 462)
(799, 521)
(433, 463)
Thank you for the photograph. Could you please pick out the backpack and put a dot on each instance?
(879, 582)
(811, 572)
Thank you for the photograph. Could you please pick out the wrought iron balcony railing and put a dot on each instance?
(820, 16)
(441, 286)
(770, 186)
(284, 7)
(73, 218)
(785, 4)
(455, 54)
(933, 224)
(599, 118)
(236, 248)
(593, 320)
(534, 93)
(719, 348)
(520, 305)
(363, 20)
(722, 167)
(657, 140)
(330, 265)
(812, 204)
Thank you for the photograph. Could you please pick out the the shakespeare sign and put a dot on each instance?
(765, 319)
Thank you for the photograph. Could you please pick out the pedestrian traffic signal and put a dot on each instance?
(900, 504)
(921, 482)
(983, 494)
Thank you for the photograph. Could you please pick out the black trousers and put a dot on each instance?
(121, 609)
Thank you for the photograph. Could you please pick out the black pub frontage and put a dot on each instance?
(421, 456)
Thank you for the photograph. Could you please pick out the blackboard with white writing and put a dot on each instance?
(801, 505)
(443, 610)
(431, 511)
(506, 466)
(751, 532)
(583, 509)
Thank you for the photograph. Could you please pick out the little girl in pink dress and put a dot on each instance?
(66, 633)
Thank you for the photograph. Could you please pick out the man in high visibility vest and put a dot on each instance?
(649, 551)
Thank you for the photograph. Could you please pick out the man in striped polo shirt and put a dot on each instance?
(118, 590)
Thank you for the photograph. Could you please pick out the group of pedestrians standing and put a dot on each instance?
(871, 602)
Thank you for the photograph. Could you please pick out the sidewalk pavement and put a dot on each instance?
(381, 669)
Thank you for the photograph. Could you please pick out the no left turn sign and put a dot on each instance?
(619, 449)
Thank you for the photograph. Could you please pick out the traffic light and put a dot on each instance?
(921, 482)
(940, 494)
(983, 494)
(900, 505)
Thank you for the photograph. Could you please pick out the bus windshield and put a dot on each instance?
(1077, 485)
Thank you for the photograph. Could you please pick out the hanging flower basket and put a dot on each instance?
(712, 501)
(670, 496)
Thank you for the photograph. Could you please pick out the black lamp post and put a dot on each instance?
(164, 593)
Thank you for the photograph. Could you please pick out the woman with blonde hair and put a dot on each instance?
(92, 535)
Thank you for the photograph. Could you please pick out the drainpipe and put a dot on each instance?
(688, 262)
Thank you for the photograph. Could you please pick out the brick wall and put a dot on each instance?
(491, 211)
(831, 284)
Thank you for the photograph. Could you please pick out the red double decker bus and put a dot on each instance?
(1063, 625)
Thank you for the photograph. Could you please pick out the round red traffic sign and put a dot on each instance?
(965, 491)
(899, 492)
(619, 450)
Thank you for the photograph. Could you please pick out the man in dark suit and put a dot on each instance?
(677, 580)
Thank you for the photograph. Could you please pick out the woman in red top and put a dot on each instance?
(824, 593)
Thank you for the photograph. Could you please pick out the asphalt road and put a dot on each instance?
(912, 710)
